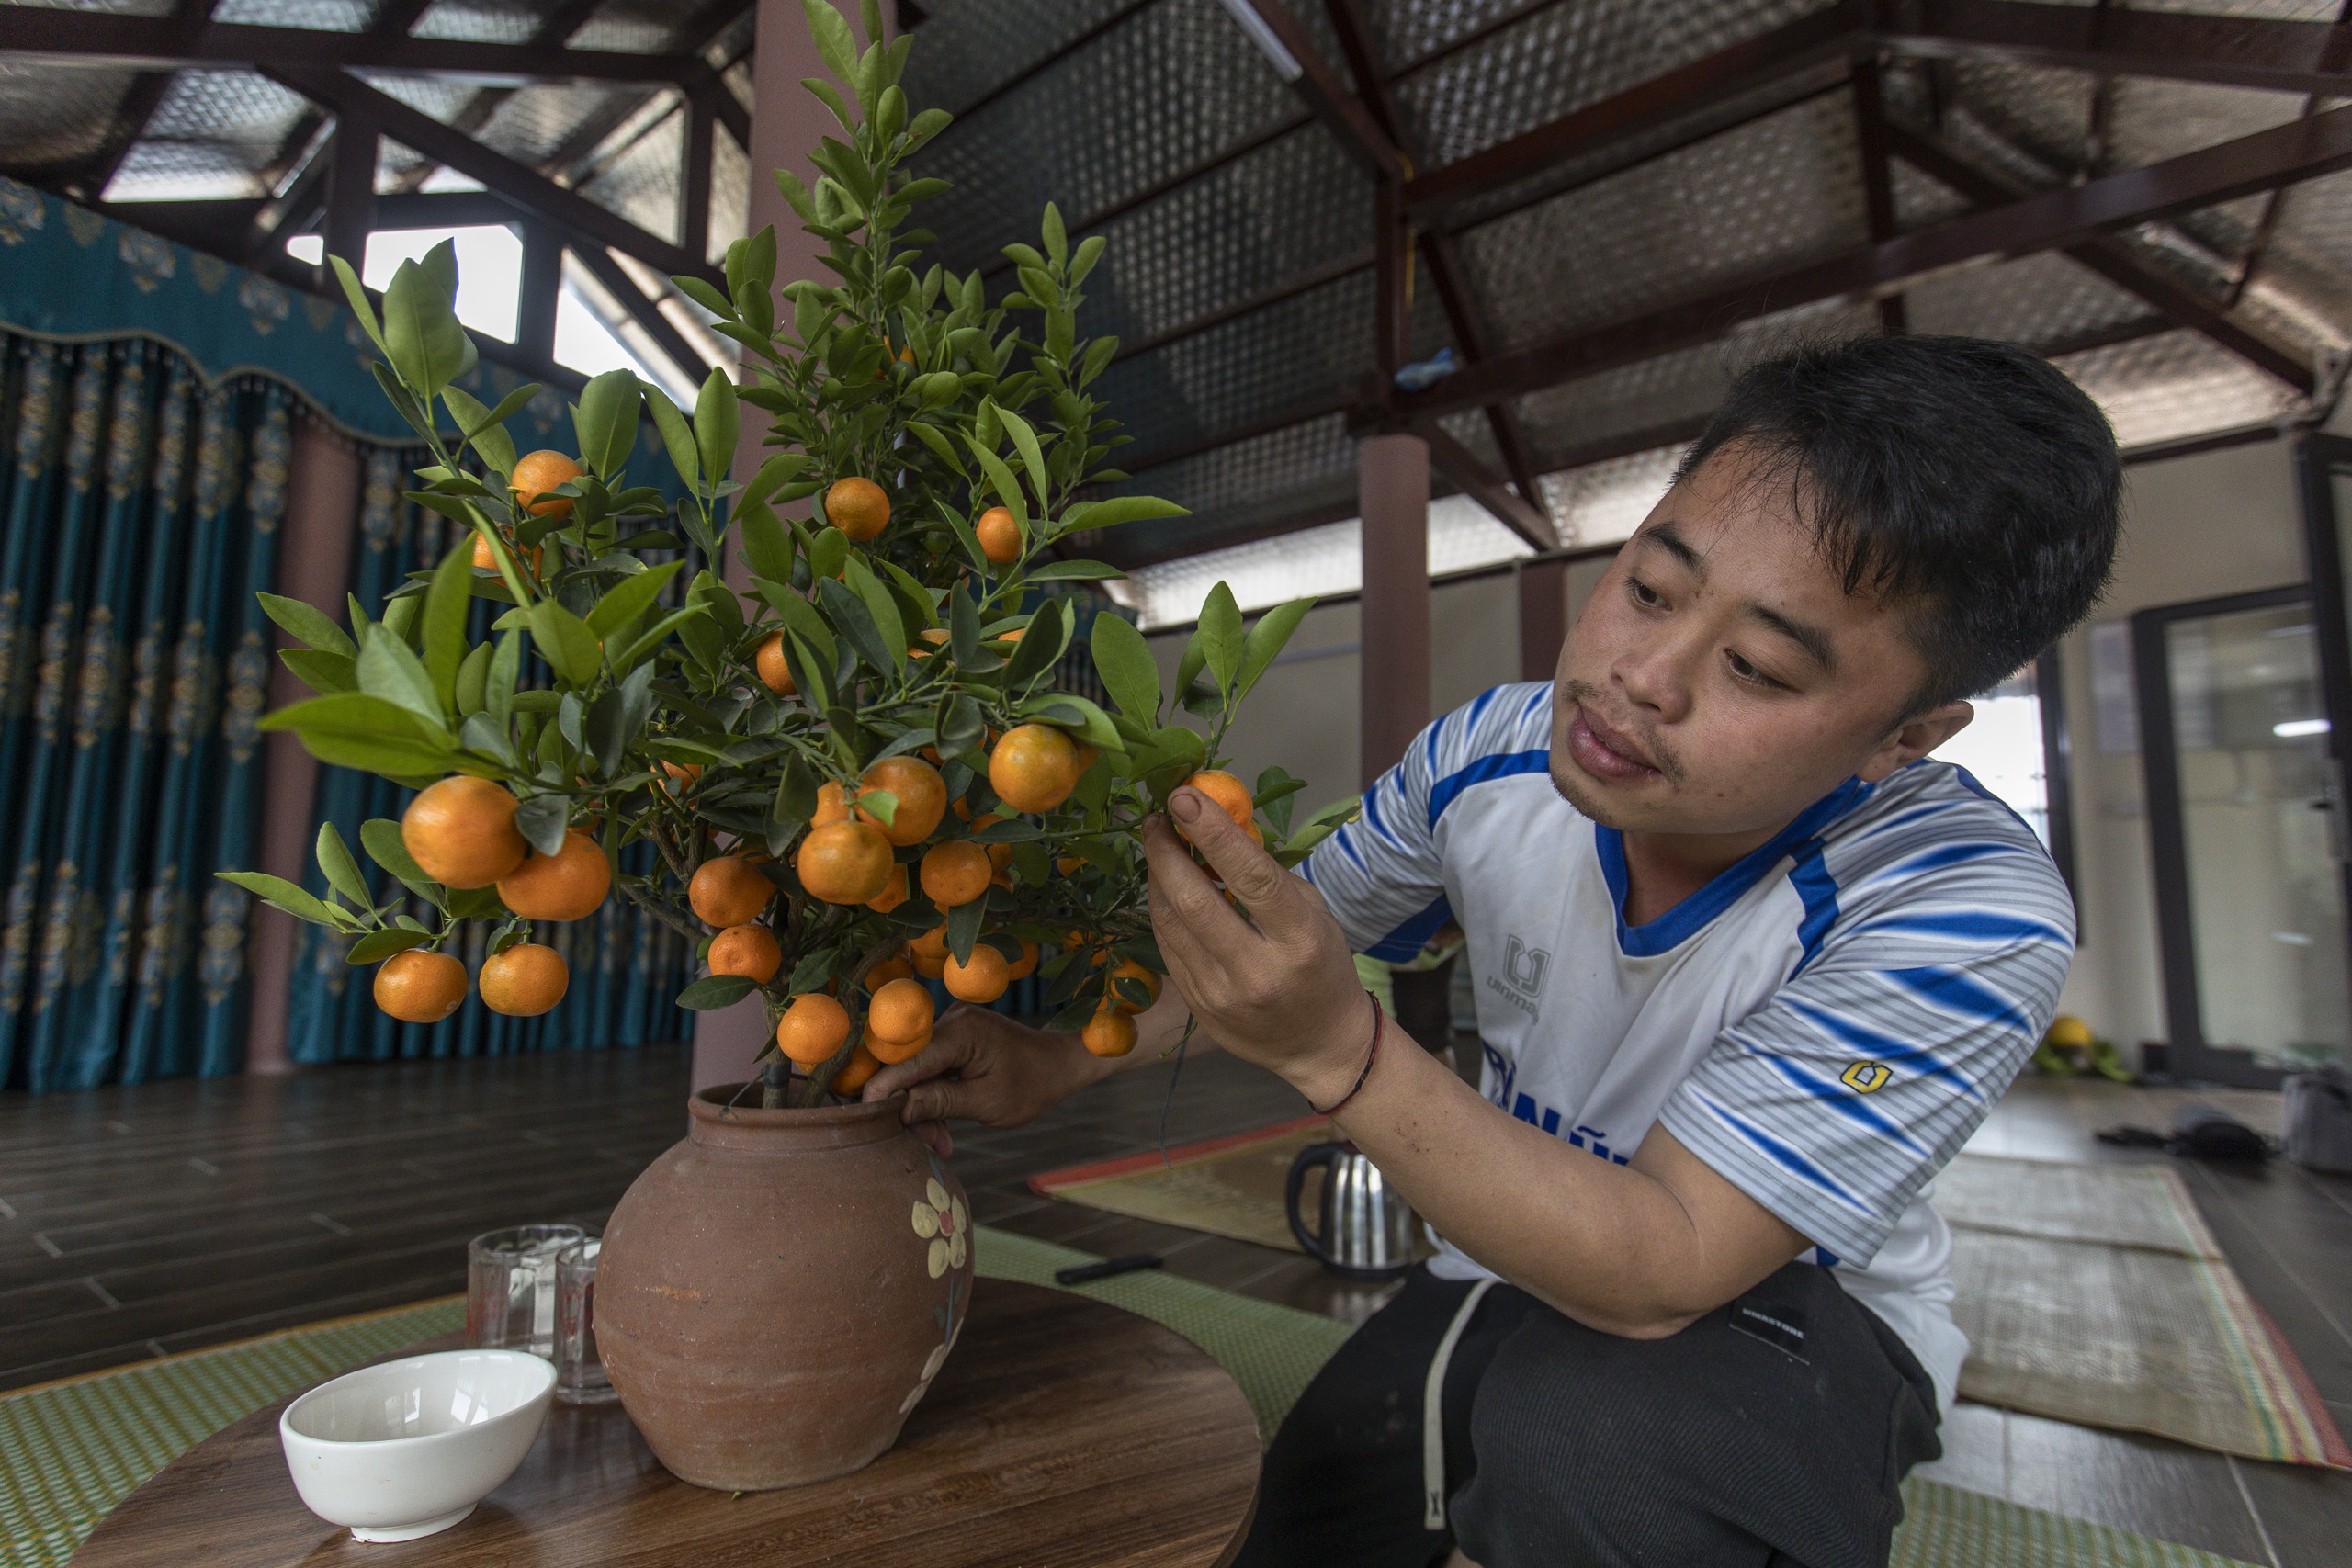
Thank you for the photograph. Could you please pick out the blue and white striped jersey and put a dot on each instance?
(1823, 1024)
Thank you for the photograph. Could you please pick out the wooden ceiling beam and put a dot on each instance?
(1458, 463)
(2235, 51)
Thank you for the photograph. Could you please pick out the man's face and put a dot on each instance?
(1721, 680)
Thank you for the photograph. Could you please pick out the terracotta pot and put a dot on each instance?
(778, 1291)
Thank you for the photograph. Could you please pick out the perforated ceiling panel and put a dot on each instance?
(55, 120)
(209, 136)
(641, 183)
(2175, 385)
(482, 21)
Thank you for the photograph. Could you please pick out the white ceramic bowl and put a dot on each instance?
(408, 1448)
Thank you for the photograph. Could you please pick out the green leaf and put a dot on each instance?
(473, 679)
(307, 625)
(1000, 480)
(1033, 457)
(1189, 665)
(506, 669)
(1219, 635)
(888, 622)
(835, 44)
(857, 622)
(354, 729)
(629, 599)
(1076, 713)
(342, 871)
(422, 336)
(380, 837)
(379, 945)
(767, 543)
(1073, 571)
(484, 429)
(389, 670)
(964, 922)
(1057, 239)
(629, 658)
(280, 894)
(321, 670)
(565, 642)
(828, 549)
(446, 604)
(1047, 636)
(1119, 509)
(716, 991)
(606, 422)
(1129, 672)
(1265, 641)
(717, 421)
(357, 293)
(799, 616)
(677, 436)
(542, 819)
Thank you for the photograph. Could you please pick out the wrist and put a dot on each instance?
(1331, 1071)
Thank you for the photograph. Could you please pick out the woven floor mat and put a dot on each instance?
(2094, 1293)
(1229, 1186)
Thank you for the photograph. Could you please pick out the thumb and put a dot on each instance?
(930, 1097)
(1246, 870)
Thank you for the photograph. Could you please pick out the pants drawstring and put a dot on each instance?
(1433, 1412)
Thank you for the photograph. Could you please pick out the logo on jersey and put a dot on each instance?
(1866, 1077)
(1524, 967)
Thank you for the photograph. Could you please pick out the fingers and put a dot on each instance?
(934, 1135)
(949, 1050)
(1254, 875)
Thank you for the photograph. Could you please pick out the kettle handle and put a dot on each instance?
(1309, 1157)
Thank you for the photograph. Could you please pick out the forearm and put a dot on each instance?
(1615, 1247)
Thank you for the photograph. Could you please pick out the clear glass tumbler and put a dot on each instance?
(579, 1371)
(510, 1288)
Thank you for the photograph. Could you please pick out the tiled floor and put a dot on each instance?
(137, 1222)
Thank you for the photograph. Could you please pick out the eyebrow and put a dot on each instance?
(1811, 638)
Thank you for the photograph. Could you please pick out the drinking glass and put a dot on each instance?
(579, 1371)
(510, 1288)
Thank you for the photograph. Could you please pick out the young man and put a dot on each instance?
(1749, 971)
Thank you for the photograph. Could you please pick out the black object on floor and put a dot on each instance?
(1108, 1268)
(2198, 1131)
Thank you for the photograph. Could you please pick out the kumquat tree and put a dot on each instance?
(855, 777)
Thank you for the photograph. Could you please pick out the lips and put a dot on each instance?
(1606, 754)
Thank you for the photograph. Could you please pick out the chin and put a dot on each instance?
(1584, 794)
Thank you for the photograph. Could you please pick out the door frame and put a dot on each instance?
(2193, 1057)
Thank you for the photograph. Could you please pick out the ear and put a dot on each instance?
(1914, 738)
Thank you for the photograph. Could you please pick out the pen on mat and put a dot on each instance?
(1106, 1268)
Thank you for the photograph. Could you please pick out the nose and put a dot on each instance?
(1654, 677)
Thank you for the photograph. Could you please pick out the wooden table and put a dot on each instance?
(1062, 1431)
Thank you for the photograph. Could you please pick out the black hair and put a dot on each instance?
(1967, 477)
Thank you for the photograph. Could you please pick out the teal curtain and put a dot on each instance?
(142, 510)
(626, 966)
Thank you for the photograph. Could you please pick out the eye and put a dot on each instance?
(1743, 670)
(1648, 598)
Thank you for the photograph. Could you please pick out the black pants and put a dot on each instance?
(1773, 1432)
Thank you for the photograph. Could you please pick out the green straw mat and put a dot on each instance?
(70, 1451)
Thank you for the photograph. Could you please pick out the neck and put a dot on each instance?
(1663, 869)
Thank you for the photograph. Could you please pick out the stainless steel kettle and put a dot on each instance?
(1365, 1230)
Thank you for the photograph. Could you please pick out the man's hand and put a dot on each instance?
(984, 1067)
(1277, 987)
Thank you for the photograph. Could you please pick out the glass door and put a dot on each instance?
(2249, 856)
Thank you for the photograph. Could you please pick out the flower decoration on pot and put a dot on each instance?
(859, 772)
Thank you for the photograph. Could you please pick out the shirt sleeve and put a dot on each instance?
(1836, 1101)
(1383, 874)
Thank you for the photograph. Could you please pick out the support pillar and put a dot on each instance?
(1542, 617)
(322, 490)
(786, 121)
(351, 198)
(1393, 487)
(538, 292)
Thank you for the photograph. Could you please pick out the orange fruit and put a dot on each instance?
(461, 832)
(861, 1065)
(999, 856)
(890, 969)
(535, 474)
(845, 863)
(1128, 969)
(1068, 865)
(774, 672)
(725, 891)
(920, 649)
(981, 980)
(686, 774)
(1230, 794)
(812, 1027)
(927, 966)
(899, 1012)
(1000, 537)
(750, 950)
(569, 884)
(955, 873)
(525, 980)
(857, 507)
(928, 952)
(1033, 768)
(1024, 965)
(923, 798)
(833, 805)
(417, 987)
(1109, 1033)
(893, 1051)
(486, 561)
(1087, 757)
(893, 893)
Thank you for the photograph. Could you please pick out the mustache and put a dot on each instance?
(1589, 698)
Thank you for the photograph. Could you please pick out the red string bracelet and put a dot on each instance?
(1369, 1056)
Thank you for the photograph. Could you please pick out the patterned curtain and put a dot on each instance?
(626, 966)
(142, 515)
